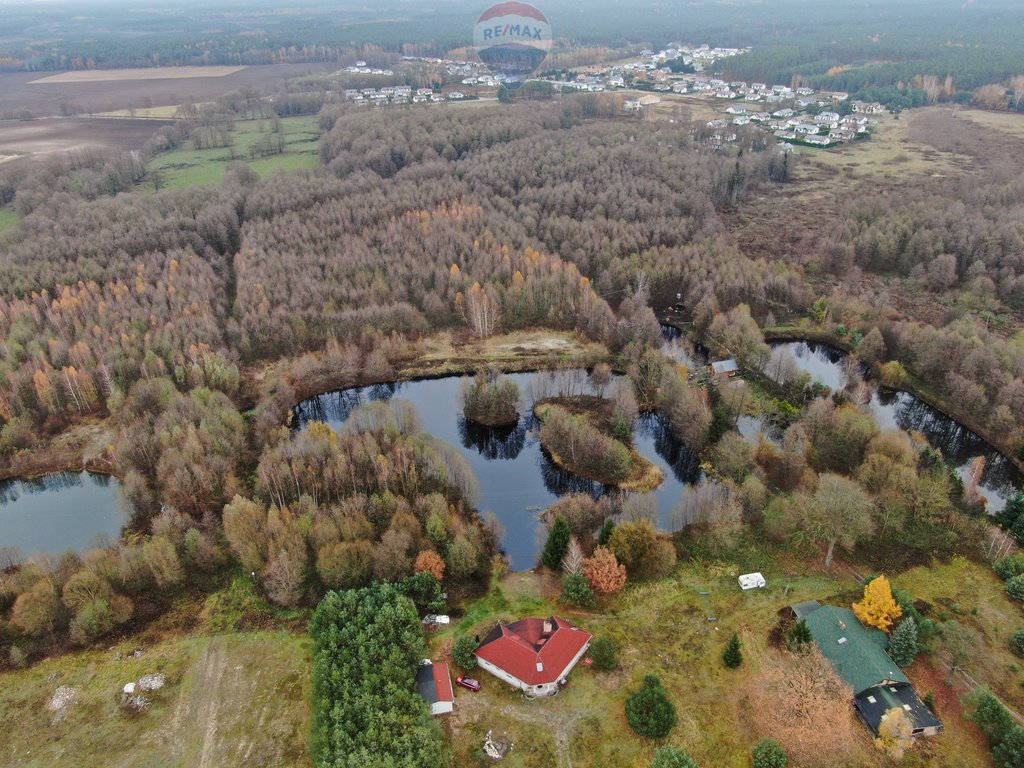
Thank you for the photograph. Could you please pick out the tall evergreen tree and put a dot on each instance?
(557, 544)
(903, 642)
(732, 655)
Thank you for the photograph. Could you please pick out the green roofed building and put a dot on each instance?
(858, 654)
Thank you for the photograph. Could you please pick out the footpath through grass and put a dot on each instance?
(187, 167)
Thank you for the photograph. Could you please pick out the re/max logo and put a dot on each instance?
(512, 30)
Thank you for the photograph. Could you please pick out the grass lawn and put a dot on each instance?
(232, 698)
(973, 595)
(186, 167)
(8, 218)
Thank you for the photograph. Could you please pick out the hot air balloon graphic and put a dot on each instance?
(512, 39)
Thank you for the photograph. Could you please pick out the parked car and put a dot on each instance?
(436, 618)
(468, 682)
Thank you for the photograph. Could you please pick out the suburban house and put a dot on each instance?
(534, 655)
(434, 684)
(858, 654)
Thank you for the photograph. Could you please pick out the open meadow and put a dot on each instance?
(230, 698)
(187, 166)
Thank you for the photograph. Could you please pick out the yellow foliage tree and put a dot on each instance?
(878, 608)
(895, 734)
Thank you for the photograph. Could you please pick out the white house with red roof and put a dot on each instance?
(533, 655)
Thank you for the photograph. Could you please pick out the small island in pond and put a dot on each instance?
(491, 400)
(586, 436)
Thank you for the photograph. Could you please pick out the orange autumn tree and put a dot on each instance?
(428, 561)
(878, 608)
(604, 572)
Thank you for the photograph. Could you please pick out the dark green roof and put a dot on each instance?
(857, 652)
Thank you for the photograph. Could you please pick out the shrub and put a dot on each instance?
(671, 757)
(604, 654)
(1008, 567)
(1010, 752)
(1017, 641)
(637, 547)
(576, 591)
(604, 572)
(800, 636)
(1015, 587)
(732, 655)
(768, 754)
(462, 652)
(649, 711)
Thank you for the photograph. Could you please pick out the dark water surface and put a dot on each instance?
(902, 410)
(517, 479)
(59, 511)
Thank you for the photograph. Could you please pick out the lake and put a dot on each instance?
(517, 479)
(902, 410)
(59, 511)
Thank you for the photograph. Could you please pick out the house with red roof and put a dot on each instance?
(434, 683)
(533, 655)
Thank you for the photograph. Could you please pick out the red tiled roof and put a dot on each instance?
(527, 652)
(443, 682)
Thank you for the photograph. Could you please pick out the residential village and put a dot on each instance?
(793, 115)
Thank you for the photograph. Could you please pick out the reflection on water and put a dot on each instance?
(517, 479)
(493, 443)
(753, 427)
(902, 410)
(58, 512)
(825, 364)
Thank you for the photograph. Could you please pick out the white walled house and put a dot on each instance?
(533, 655)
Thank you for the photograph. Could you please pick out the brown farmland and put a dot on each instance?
(21, 95)
(54, 135)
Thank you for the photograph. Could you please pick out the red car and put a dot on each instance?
(468, 682)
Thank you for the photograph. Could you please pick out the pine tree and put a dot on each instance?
(879, 608)
(800, 636)
(557, 544)
(732, 655)
(606, 532)
(903, 642)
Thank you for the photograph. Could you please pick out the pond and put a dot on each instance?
(517, 479)
(902, 410)
(58, 512)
